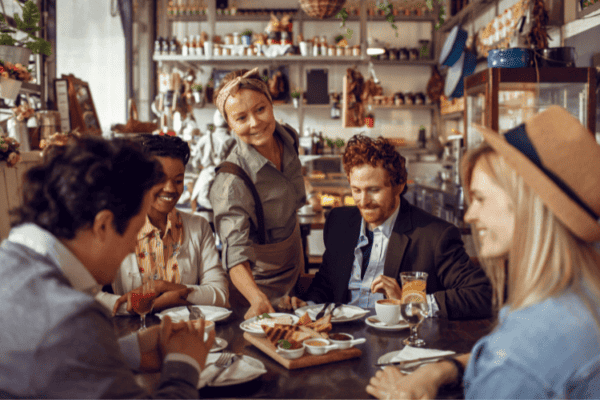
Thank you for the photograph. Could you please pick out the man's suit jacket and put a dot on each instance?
(419, 242)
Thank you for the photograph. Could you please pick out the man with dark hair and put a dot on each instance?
(368, 246)
(82, 210)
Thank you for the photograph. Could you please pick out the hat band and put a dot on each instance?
(519, 139)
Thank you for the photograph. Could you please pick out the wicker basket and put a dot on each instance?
(322, 9)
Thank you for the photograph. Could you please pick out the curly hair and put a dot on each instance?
(375, 152)
(164, 146)
(75, 182)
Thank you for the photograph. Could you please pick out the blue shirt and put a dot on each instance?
(360, 287)
(548, 350)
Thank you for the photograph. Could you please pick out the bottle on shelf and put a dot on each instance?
(158, 46)
(184, 47)
(173, 50)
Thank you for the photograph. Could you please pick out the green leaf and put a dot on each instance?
(429, 4)
(390, 18)
(263, 316)
(284, 343)
(349, 35)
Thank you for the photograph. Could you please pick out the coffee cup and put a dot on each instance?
(208, 326)
(388, 311)
(304, 48)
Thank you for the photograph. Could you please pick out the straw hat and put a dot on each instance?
(560, 160)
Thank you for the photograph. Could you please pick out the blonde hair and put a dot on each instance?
(545, 258)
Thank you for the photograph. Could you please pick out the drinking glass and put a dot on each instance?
(414, 307)
(142, 299)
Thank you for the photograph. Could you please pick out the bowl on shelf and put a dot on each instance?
(510, 58)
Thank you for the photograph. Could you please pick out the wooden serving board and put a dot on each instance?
(307, 360)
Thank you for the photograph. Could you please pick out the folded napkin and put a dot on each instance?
(241, 369)
(412, 353)
(348, 312)
(182, 313)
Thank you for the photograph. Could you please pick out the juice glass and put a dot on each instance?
(414, 307)
(142, 298)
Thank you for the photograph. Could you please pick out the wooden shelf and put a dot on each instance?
(475, 8)
(296, 16)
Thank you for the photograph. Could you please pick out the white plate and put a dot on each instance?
(300, 312)
(219, 345)
(250, 360)
(375, 323)
(181, 313)
(247, 325)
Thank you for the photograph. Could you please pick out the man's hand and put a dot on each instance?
(388, 286)
(288, 303)
(151, 352)
(125, 299)
(258, 306)
(186, 339)
(390, 383)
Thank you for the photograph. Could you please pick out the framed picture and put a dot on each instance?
(61, 94)
(81, 107)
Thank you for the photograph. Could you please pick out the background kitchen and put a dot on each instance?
(372, 68)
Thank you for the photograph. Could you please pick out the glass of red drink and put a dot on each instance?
(142, 298)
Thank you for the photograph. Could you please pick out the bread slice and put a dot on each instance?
(305, 319)
(312, 333)
(278, 332)
(323, 324)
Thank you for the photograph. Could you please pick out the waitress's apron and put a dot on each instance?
(278, 266)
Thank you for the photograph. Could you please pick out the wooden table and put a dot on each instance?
(340, 380)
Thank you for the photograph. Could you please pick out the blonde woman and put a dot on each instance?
(534, 207)
(255, 196)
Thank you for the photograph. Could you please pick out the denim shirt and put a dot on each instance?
(548, 350)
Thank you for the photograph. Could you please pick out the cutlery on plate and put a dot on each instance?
(224, 361)
(195, 313)
(322, 312)
(417, 360)
(336, 305)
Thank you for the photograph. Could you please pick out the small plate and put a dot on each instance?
(377, 324)
(219, 345)
(248, 325)
(318, 307)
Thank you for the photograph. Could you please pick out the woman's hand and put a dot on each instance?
(172, 298)
(390, 383)
(258, 306)
(388, 286)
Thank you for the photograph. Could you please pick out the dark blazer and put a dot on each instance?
(419, 242)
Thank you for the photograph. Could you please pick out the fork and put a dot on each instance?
(223, 362)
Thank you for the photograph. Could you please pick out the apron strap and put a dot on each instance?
(231, 168)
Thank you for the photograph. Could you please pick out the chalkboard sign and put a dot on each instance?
(81, 107)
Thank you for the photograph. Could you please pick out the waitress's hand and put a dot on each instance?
(258, 306)
(388, 286)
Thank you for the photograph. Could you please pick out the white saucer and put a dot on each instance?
(375, 323)
(219, 345)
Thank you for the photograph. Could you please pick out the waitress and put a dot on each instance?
(262, 251)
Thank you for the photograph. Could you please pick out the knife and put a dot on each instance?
(322, 312)
(418, 360)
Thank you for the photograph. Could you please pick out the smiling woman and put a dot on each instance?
(177, 248)
(264, 188)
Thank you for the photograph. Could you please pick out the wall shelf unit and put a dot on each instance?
(303, 63)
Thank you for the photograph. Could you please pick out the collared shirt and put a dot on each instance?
(360, 288)
(282, 193)
(158, 255)
(53, 327)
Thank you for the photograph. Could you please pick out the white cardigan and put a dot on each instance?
(199, 266)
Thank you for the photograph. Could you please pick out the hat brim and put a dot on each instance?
(566, 210)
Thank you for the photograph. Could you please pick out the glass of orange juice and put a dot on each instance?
(414, 307)
(142, 298)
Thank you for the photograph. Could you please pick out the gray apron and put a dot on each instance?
(278, 266)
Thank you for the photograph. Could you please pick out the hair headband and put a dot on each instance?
(232, 87)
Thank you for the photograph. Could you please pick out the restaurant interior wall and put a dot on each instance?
(90, 44)
(394, 78)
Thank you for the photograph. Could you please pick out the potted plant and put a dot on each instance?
(295, 95)
(197, 92)
(14, 54)
(247, 37)
(339, 144)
